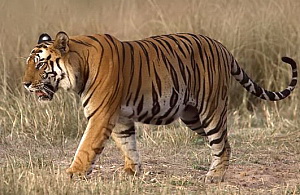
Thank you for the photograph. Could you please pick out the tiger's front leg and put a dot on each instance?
(124, 137)
(91, 145)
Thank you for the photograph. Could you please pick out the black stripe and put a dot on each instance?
(286, 92)
(49, 57)
(139, 82)
(203, 81)
(97, 73)
(186, 96)
(183, 36)
(188, 89)
(131, 69)
(123, 56)
(140, 105)
(145, 51)
(115, 45)
(153, 45)
(171, 49)
(181, 68)
(290, 61)
(99, 106)
(209, 43)
(165, 60)
(238, 71)
(193, 63)
(172, 118)
(271, 95)
(221, 153)
(225, 59)
(162, 45)
(294, 81)
(95, 39)
(219, 125)
(187, 46)
(165, 115)
(190, 122)
(140, 118)
(126, 133)
(217, 51)
(177, 43)
(220, 139)
(174, 98)
(158, 81)
(148, 120)
(85, 75)
(155, 104)
(197, 83)
(198, 43)
(57, 63)
(197, 128)
(82, 43)
(128, 100)
(174, 78)
(116, 65)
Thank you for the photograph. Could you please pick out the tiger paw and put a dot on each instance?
(132, 169)
(79, 172)
(213, 177)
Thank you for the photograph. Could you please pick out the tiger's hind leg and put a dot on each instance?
(216, 132)
(220, 158)
(124, 136)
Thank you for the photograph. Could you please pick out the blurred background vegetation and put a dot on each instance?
(37, 140)
(257, 32)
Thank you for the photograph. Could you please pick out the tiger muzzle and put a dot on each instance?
(44, 92)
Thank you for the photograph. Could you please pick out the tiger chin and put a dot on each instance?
(155, 80)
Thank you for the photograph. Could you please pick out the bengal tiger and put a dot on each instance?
(155, 81)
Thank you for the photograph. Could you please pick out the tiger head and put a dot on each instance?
(45, 67)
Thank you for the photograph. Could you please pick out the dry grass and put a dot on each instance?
(37, 141)
(173, 158)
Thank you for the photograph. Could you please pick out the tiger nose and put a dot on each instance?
(27, 84)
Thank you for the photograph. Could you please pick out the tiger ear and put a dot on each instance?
(44, 37)
(62, 42)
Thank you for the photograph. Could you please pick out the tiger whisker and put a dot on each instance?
(48, 89)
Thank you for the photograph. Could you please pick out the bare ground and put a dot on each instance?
(181, 171)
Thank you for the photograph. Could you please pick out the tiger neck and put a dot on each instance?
(77, 70)
(99, 63)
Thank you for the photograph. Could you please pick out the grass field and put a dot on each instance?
(38, 141)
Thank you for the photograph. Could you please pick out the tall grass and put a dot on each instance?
(257, 32)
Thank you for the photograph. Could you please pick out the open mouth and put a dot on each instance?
(46, 93)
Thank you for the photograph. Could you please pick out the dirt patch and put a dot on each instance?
(263, 176)
(178, 170)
